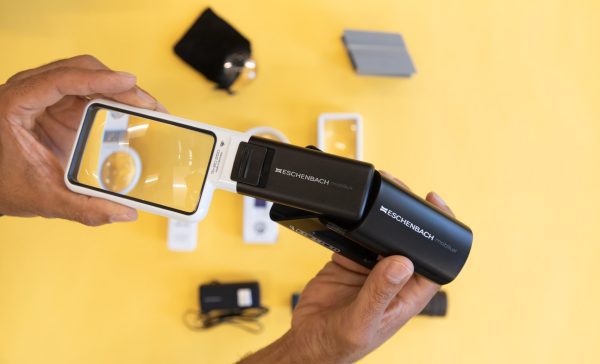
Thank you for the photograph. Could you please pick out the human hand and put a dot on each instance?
(40, 111)
(347, 311)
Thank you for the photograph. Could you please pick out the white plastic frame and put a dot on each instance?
(217, 176)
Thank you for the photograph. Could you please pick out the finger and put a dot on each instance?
(160, 107)
(82, 61)
(411, 300)
(435, 199)
(93, 211)
(398, 181)
(383, 284)
(32, 95)
(136, 96)
(349, 264)
(336, 274)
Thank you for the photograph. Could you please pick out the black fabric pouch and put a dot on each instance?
(209, 44)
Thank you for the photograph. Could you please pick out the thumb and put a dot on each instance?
(93, 211)
(383, 284)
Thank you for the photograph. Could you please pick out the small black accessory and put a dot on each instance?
(437, 306)
(217, 50)
(236, 303)
(295, 300)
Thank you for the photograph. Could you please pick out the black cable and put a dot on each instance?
(244, 318)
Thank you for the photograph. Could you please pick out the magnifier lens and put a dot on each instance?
(340, 137)
(143, 158)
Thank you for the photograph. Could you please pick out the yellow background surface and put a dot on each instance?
(502, 120)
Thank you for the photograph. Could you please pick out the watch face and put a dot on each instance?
(118, 171)
(146, 159)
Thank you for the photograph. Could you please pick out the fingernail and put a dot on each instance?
(145, 96)
(123, 218)
(125, 74)
(438, 199)
(397, 272)
(160, 107)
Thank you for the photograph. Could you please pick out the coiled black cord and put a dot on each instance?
(244, 318)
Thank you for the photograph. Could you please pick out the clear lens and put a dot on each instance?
(142, 158)
(340, 137)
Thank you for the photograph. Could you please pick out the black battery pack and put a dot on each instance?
(395, 222)
(228, 296)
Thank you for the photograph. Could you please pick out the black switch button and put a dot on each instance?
(248, 164)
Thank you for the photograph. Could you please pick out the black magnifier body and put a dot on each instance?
(350, 208)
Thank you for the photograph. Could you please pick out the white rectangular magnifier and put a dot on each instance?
(151, 161)
(171, 166)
